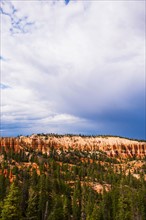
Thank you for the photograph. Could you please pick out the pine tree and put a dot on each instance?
(57, 209)
(11, 209)
(2, 187)
(66, 208)
(42, 196)
(32, 209)
(24, 196)
(124, 211)
(76, 206)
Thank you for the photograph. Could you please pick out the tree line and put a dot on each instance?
(59, 188)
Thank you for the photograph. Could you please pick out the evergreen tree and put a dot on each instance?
(124, 211)
(32, 209)
(11, 209)
(42, 196)
(66, 208)
(24, 196)
(57, 209)
(2, 187)
(76, 204)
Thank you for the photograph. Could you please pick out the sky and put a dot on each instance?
(73, 67)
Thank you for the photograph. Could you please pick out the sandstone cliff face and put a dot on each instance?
(112, 146)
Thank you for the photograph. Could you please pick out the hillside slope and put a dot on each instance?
(55, 177)
(112, 146)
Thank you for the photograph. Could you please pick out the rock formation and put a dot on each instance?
(112, 146)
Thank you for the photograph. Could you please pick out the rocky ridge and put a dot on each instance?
(112, 146)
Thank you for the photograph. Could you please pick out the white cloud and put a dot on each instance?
(76, 58)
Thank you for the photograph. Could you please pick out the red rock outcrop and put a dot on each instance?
(112, 146)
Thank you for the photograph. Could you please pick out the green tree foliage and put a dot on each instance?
(32, 211)
(124, 205)
(11, 208)
(76, 207)
(2, 187)
(42, 196)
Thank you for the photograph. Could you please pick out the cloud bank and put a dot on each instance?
(73, 67)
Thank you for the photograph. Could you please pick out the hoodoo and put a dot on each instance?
(112, 146)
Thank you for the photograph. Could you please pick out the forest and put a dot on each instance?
(69, 185)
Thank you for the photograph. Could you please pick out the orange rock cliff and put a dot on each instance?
(112, 146)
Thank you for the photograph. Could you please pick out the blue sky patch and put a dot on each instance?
(3, 86)
(67, 1)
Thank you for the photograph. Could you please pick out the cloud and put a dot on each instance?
(17, 24)
(82, 61)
